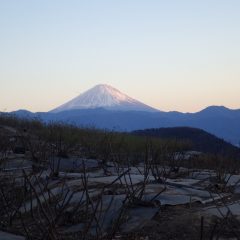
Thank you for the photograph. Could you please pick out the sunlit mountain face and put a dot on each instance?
(104, 96)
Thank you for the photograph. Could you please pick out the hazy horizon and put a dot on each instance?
(174, 56)
(135, 99)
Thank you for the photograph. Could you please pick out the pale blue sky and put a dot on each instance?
(173, 55)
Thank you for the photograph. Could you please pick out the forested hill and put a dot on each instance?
(200, 139)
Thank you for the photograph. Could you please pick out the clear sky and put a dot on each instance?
(171, 54)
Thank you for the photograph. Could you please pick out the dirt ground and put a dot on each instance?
(184, 222)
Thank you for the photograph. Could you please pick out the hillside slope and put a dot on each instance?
(201, 140)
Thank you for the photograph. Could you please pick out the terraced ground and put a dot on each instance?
(45, 195)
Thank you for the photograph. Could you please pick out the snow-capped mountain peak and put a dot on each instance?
(104, 96)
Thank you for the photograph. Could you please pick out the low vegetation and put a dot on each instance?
(59, 181)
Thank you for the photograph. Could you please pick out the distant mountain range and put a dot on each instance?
(106, 107)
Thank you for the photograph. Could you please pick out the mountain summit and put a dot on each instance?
(104, 96)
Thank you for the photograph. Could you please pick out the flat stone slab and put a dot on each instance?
(9, 236)
(233, 208)
(232, 180)
(73, 164)
(133, 179)
(203, 175)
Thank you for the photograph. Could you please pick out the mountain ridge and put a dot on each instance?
(103, 106)
(222, 125)
(200, 140)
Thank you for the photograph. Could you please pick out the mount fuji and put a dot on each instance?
(104, 96)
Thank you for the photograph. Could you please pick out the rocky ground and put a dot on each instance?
(48, 194)
(117, 202)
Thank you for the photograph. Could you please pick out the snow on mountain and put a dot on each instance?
(104, 96)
